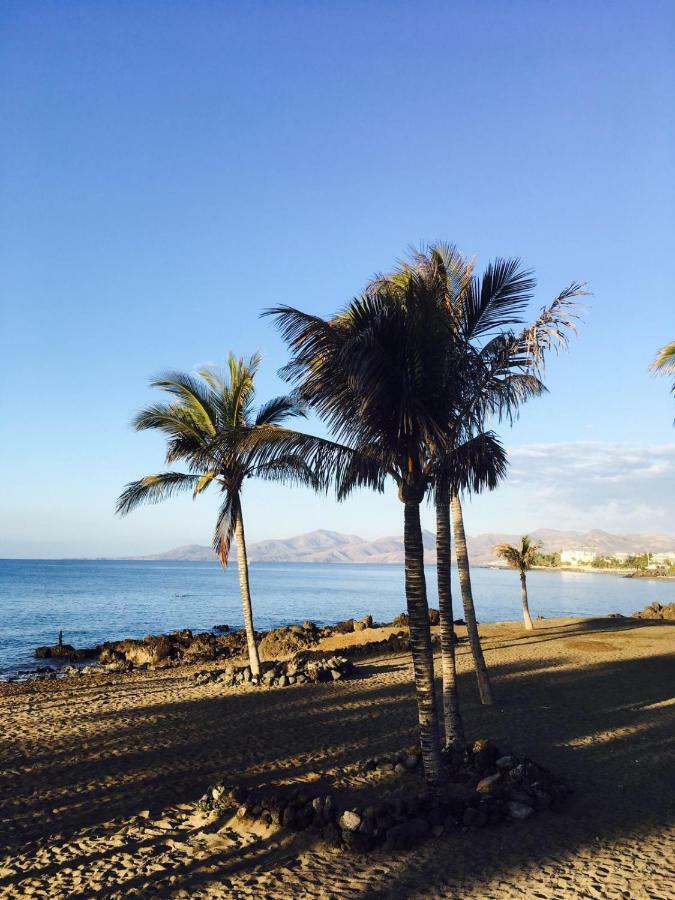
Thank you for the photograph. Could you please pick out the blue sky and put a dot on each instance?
(169, 169)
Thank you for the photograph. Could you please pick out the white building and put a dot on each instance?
(662, 559)
(577, 557)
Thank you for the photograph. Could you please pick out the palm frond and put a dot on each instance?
(289, 469)
(225, 525)
(277, 410)
(497, 299)
(551, 329)
(204, 481)
(153, 489)
(171, 418)
(478, 464)
(664, 363)
(194, 396)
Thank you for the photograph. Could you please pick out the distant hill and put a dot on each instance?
(332, 547)
(187, 553)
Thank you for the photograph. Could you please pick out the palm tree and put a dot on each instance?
(478, 464)
(665, 360)
(398, 380)
(521, 558)
(664, 364)
(373, 374)
(499, 368)
(208, 426)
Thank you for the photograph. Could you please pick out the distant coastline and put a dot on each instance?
(323, 546)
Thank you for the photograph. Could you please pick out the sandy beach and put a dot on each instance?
(100, 775)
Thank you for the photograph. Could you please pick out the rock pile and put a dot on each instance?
(486, 787)
(403, 620)
(169, 649)
(158, 651)
(63, 652)
(656, 611)
(165, 650)
(298, 670)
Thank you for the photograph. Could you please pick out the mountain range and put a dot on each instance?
(333, 547)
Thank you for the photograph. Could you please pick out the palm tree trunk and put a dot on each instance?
(454, 729)
(420, 644)
(526, 609)
(242, 566)
(467, 599)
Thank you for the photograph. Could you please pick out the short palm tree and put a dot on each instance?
(521, 558)
(208, 426)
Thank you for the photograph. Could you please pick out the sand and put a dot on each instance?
(98, 775)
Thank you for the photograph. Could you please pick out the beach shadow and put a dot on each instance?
(607, 727)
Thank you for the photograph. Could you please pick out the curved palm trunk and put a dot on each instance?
(467, 600)
(420, 644)
(526, 609)
(242, 565)
(454, 729)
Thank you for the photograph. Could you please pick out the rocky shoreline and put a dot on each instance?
(221, 643)
(224, 643)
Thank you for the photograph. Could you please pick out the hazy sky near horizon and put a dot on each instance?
(169, 169)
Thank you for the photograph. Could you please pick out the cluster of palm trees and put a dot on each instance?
(406, 378)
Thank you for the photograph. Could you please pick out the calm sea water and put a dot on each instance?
(95, 601)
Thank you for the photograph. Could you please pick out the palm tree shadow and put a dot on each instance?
(607, 727)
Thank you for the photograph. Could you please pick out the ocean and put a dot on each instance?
(93, 601)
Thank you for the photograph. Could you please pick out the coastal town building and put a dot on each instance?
(662, 559)
(577, 557)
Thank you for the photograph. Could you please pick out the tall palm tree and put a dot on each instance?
(464, 570)
(521, 558)
(373, 374)
(499, 368)
(208, 426)
(478, 464)
(397, 378)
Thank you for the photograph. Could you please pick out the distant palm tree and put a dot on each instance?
(521, 558)
(208, 426)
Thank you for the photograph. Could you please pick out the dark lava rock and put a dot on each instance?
(331, 835)
(358, 842)
(58, 651)
(490, 785)
(405, 835)
(518, 810)
(484, 754)
(345, 627)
